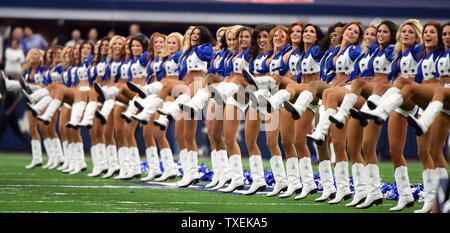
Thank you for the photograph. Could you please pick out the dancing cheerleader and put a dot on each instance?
(214, 113)
(420, 93)
(435, 117)
(340, 64)
(253, 119)
(32, 74)
(409, 50)
(97, 131)
(107, 70)
(54, 75)
(235, 108)
(195, 62)
(374, 68)
(59, 93)
(155, 72)
(172, 47)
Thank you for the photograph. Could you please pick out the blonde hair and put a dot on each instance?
(219, 30)
(374, 24)
(111, 42)
(233, 29)
(27, 64)
(177, 36)
(418, 28)
(63, 56)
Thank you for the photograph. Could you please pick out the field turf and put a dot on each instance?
(50, 191)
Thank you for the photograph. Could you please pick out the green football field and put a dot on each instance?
(50, 191)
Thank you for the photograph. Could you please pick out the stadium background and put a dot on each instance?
(55, 19)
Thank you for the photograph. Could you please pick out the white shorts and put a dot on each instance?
(232, 101)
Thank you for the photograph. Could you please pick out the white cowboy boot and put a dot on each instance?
(39, 106)
(279, 174)
(105, 92)
(223, 169)
(89, 113)
(257, 172)
(37, 95)
(429, 190)
(422, 124)
(36, 154)
(275, 102)
(135, 163)
(171, 109)
(149, 110)
(184, 166)
(154, 170)
(215, 168)
(106, 109)
(293, 178)
(381, 113)
(101, 164)
(65, 165)
(50, 111)
(113, 161)
(307, 175)
(327, 181)
(193, 176)
(374, 101)
(321, 130)
(170, 169)
(197, 103)
(344, 110)
(360, 184)
(77, 112)
(374, 195)
(58, 153)
(49, 149)
(122, 154)
(80, 163)
(237, 174)
(298, 108)
(406, 198)
(342, 182)
(71, 158)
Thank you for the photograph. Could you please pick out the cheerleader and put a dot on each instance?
(253, 119)
(32, 74)
(435, 117)
(409, 50)
(373, 71)
(288, 67)
(234, 110)
(155, 72)
(97, 131)
(231, 41)
(214, 113)
(64, 115)
(54, 75)
(58, 94)
(195, 58)
(107, 71)
(421, 92)
(172, 47)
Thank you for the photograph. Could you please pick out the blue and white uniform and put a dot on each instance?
(309, 62)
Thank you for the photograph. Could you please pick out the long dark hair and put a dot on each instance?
(319, 34)
(325, 42)
(254, 47)
(392, 29)
(440, 46)
(205, 37)
(142, 39)
(99, 57)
